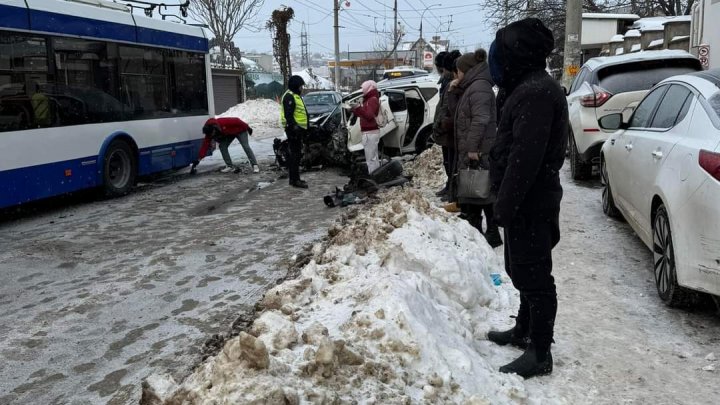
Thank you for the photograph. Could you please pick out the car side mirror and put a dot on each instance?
(612, 122)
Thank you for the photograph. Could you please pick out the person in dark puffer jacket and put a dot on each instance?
(525, 164)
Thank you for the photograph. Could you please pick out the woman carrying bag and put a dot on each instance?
(475, 128)
(368, 112)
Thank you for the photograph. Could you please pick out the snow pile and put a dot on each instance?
(427, 169)
(257, 113)
(382, 314)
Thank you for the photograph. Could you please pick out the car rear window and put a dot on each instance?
(643, 75)
(714, 102)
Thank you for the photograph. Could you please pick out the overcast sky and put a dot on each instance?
(463, 22)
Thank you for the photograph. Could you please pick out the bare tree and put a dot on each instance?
(225, 19)
(277, 25)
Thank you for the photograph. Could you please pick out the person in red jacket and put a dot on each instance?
(224, 131)
(367, 113)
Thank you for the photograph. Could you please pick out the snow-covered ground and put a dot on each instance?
(395, 307)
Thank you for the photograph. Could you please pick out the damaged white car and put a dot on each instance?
(335, 138)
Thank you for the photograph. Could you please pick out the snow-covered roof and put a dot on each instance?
(632, 34)
(617, 38)
(657, 23)
(636, 48)
(603, 16)
(313, 81)
(602, 61)
(657, 42)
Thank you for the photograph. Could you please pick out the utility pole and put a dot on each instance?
(336, 6)
(304, 58)
(573, 51)
(395, 30)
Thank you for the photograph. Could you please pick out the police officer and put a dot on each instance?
(294, 118)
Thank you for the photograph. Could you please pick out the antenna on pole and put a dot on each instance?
(304, 60)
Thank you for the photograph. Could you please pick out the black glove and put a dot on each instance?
(250, 131)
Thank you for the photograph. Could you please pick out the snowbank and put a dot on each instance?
(427, 169)
(257, 113)
(393, 308)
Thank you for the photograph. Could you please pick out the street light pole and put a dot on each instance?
(422, 16)
(573, 38)
(336, 6)
(395, 30)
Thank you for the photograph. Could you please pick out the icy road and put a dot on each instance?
(96, 296)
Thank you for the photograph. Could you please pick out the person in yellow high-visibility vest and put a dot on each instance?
(294, 118)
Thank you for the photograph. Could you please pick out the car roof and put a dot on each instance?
(410, 81)
(603, 61)
(707, 82)
(323, 92)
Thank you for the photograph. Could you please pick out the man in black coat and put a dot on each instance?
(525, 165)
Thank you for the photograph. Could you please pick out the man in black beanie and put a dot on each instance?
(524, 168)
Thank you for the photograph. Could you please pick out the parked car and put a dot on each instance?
(411, 104)
(614, 84)
(319, 103)
(400, 72)
(661, 171)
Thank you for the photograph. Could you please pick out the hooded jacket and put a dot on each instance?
(475, 118)
(439, 134)
(532, 130)
(288, 102)
(368, 111)
(228, 127)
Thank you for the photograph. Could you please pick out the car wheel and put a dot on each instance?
(608, 203)
(119, 169)
(578, 169)
(664, 262)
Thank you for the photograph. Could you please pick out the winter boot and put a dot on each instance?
(532, 363)
(515, 337)
(256, 169)
(492, 235)
(227, 169)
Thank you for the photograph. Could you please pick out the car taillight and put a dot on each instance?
(710, 162)
(597, 99)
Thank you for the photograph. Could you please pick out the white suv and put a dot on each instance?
(411, 102)
(611, 85)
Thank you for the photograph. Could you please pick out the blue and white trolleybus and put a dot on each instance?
(92, 95)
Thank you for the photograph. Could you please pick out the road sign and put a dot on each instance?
(572, 70)
(428, 59)
(704, 55)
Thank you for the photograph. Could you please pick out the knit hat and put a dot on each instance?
(367, 86)
(439, 58)
(470, 60)
(449, 60)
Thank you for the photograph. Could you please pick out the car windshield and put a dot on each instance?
(643, 75)
(319, 99)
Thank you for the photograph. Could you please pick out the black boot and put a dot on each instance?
(492, 236)
(516, 337)
(532, 363)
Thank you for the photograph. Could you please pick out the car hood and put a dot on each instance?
(319, 108)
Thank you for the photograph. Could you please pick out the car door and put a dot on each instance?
(652, 147)
(622, 147)
(398, 106)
